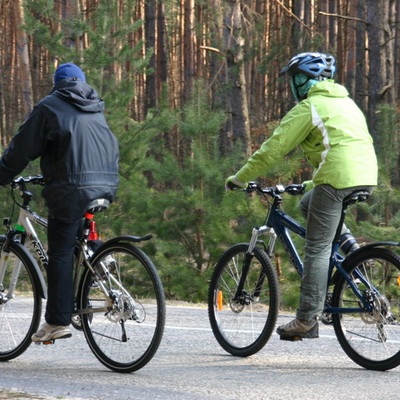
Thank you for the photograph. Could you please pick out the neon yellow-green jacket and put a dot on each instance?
(333, 134)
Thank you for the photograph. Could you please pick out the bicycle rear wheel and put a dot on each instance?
(243, 326)
(20, 306)
(371, 339)
(123, 329)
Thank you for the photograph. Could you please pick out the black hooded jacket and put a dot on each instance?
(78, 152)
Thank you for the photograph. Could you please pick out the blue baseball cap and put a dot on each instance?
(68, 70)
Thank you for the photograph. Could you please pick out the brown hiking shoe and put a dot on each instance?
(299, 329)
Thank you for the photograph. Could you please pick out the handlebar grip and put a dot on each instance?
(37, 180)
(295, 188)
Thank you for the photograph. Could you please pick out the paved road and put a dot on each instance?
(190, 365)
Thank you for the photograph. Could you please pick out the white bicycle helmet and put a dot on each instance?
(317, 66)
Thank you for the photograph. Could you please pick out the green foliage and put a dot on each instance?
(171, 172)
(185, 205)
(384, 205)
(38, 15)
(386, 141)
(289, 291)
(106, 31)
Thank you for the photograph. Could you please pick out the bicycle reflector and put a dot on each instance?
(93, 235)
(220, 300)
(398, 280)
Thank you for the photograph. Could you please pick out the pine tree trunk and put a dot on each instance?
(188, 49)
(237, 106)
(24, 70)
(150, 39)
(377, 72)
(161, 52)
(360, 95)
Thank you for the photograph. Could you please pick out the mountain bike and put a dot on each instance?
(119, 297)
(363, 292)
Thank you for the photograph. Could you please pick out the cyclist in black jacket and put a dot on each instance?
(79, 162)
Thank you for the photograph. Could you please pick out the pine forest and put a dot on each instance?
(192, 88)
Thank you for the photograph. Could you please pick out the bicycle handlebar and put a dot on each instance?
(275, 191)
(21, 181)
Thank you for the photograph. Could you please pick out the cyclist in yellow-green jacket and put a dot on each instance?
(334, 136)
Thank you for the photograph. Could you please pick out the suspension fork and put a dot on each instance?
(257, 231)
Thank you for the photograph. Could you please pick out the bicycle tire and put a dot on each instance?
(243, 329)
(371, 340)
(126, 336)
(20, 315)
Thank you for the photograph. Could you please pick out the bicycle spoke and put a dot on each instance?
(371, 338)
(127, 335)
(242, 324)
(20, 309)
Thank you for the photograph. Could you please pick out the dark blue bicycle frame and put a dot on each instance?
(282, 223)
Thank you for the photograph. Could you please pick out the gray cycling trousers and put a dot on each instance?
(322, 208)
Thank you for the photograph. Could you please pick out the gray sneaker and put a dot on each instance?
(49, 332)
(299, 330)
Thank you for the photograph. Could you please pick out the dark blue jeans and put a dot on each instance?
(61, 245)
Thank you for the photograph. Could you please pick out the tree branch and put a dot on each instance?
(214, 49)
(292, 15)
(343, 17)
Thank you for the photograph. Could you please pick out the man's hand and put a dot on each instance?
(232, 183)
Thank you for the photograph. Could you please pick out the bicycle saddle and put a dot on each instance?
(356, 197)
(97, 206)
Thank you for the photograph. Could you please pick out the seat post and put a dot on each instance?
(355, 197)
(336, 239)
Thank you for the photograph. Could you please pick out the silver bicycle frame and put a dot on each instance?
(24, 226)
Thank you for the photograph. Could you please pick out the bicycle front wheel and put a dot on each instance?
(371, 339)
(20, 301)
(243, 322)
(123, 327)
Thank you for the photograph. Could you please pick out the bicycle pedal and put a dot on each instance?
(46, 342)
(51, 341)
(291, 338)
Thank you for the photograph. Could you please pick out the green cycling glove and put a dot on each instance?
(232, 183)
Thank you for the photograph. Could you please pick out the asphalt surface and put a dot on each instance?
(190, 365)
